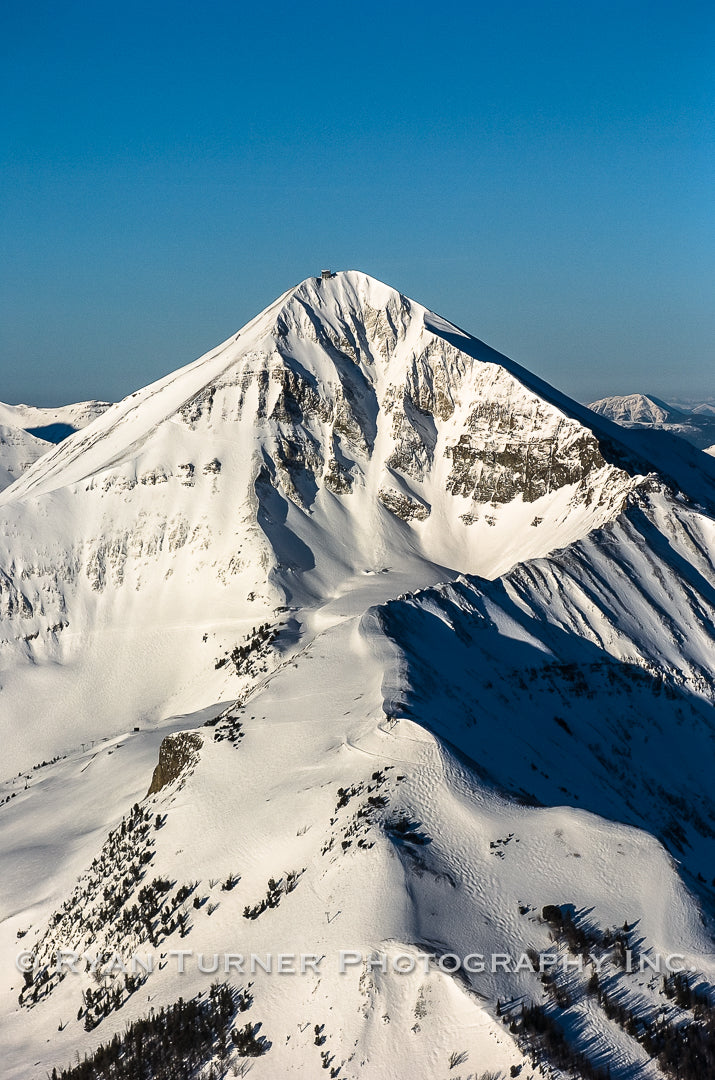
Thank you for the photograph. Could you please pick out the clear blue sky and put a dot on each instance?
(539, 172)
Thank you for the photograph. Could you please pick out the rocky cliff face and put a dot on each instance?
(177, 754)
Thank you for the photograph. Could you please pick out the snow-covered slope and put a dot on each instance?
(52, 424)
(26, 433)
(430, 647)
(604, 649)
(696, 425)
(18, 450)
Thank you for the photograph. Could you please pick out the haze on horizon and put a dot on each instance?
(540, 175)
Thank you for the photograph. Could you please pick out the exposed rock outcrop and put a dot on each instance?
(177, 754)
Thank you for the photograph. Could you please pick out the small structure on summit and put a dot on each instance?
(326, 275)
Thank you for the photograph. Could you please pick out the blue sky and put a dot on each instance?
(540, 173)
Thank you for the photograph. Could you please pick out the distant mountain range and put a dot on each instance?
(695, 423)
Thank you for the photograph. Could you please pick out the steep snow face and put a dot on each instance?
(345, 430)
(565, 678)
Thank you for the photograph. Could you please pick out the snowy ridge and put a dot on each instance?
(75, 416)
(26, 433)
(432, 646)
(601, 648)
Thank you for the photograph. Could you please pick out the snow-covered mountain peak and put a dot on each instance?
(349, 311)
(345, 430)
(637, 409)
(641, 412)
(346, 400)
(347, 353)
(431, 645)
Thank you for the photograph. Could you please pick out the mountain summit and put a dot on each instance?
(355, 635)
(344, 430)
